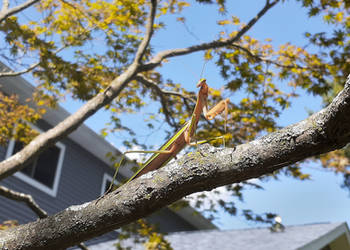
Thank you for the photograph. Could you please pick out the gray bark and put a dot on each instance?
(205, 169)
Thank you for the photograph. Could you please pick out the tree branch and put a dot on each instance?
(5, 12)
(149, 31)
(26, 198)
(155, 61)
(12, 73)
(17, 73)
(263, 59)
(205, 169)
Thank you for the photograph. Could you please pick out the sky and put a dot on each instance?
(318, 200)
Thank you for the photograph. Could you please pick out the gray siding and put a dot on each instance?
(80, 181)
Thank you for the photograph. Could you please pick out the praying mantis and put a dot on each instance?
(181, 138)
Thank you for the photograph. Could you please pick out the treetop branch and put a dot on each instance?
(149, 31)
(157, 59)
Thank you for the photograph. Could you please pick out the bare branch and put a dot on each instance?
(263, 59)
(162, 95)
(21, 72)
(5, 12)
(149, 31)
(26, 198)
(205, 169)
(151, 84)
(30, 68)
(155, 61)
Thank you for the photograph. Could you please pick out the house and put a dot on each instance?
(73, 171)
(322, 236)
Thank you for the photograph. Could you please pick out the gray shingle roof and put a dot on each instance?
(294, 237)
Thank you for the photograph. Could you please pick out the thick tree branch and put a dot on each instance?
(205, 169)
(6, 12)
(155, 61)
(44, 140)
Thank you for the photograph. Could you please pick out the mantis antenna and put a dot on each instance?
(201, 76)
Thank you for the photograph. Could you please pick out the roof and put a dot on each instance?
(303, 237)
(87, 138)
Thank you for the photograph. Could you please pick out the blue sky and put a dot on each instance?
(319, 200)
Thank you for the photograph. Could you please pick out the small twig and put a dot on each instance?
(149, 83)
(26, 198)
(30, 68)
(152, 84)
(262, 59)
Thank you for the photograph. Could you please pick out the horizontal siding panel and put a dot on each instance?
(3, 150)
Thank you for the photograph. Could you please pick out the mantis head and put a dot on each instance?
(201, 82)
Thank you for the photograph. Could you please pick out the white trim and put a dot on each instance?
(50, 191)
(107, 177)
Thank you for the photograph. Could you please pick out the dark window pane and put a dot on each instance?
(18, 147)
(43, 169)
(46, 166)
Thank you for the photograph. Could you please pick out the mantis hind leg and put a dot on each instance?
(110, 188)
(209, 140)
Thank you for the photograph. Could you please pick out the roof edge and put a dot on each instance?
(333, 234)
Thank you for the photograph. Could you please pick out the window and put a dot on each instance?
(107, 179)
(44, 172)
